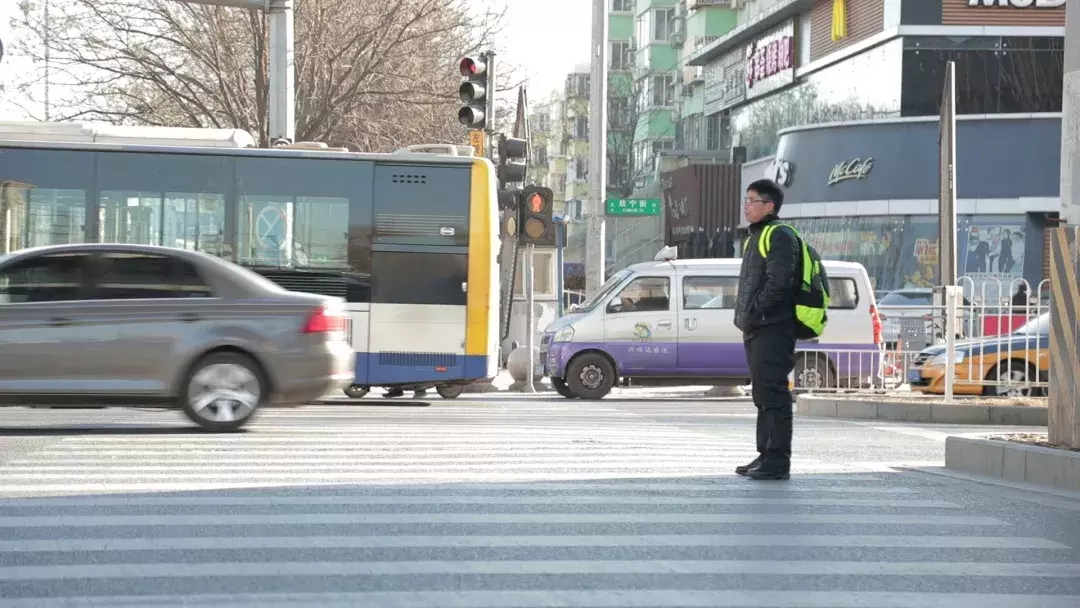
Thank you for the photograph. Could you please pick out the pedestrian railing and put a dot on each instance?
(1001, 347)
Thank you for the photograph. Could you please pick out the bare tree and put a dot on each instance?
(627, 108)
(369, 75)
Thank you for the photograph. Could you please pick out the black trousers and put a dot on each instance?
(770, 353)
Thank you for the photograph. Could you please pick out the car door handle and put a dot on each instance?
(188, 317)
(59, 321)
(666, 324)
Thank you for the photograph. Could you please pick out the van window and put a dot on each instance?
(843, 294)
(709, 292)
(643, 294)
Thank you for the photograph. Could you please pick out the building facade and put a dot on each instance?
(867, 192)
(797, 62)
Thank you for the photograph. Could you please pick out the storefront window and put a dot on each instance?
(993, 75)
(902, 251)
(863, 87)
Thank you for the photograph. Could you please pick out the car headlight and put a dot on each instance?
(941, 359)
(564, 334)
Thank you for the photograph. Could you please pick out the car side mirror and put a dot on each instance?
(614, 306)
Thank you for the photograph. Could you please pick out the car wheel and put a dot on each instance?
(1020, 372)
(560, 387)
(590, 376)
(223, 390)
(356, 391)
(449, 391)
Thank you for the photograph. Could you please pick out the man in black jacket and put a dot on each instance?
(765, 313)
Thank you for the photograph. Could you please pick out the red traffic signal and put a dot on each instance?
(536, 203)
(536, 226)
(472, 66)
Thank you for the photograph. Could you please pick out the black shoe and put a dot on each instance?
(394, 392)
(765, 472)
(744, 469)
(419, 394)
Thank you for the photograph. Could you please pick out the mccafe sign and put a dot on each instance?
(1018, 3)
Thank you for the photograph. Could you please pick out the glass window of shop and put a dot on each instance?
(862, 87)
(994, 75)
(902, 251)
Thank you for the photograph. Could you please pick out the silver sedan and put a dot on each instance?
(103, 325)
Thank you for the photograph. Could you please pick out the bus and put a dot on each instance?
(409, 239)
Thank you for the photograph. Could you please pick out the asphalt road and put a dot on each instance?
(511, 501)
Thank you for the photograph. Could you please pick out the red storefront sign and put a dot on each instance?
(767, 59)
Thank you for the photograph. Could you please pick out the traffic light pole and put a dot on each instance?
(530, 329)
(594, 238)
(282, 72)
(489, 110)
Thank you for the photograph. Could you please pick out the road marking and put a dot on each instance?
(604, 598)
(358, 519)
(573, 540)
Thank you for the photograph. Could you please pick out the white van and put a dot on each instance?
(671, 323)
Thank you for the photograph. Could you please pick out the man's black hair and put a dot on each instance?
(769, 191)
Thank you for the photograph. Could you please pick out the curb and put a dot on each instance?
(1016, 462)
(900, 411)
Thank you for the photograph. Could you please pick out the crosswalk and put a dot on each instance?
(471, 503)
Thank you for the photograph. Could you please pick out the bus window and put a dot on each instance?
(175, 200)
(294, 213)
(40, 205)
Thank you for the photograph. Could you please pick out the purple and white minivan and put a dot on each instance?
(671, 323)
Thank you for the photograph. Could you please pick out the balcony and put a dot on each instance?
(693, 5)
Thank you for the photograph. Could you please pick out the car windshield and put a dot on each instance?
(1039, 326)
(605, 290)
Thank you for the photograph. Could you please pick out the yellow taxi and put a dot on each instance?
(1004, 365)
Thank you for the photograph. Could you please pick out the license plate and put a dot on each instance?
(914, 375)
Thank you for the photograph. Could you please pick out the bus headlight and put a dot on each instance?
(564, 334)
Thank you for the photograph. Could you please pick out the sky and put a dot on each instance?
(546, 38)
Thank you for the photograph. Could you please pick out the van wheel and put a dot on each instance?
(813, 372)
(559, 384)
(449, 391)
(590, 376)
(223, 390)
(356, 391)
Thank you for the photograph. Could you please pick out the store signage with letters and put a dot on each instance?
(770, 61)
(1018, 3)
(781, 172)
(853, 169)
(725, 81)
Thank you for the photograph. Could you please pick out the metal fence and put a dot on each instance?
(1000, 346)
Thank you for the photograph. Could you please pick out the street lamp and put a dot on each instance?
(282, 76)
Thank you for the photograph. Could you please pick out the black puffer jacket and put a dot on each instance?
(767, 285)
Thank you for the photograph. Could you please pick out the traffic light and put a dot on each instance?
(512, 154)
(474, 92)
(536, 226)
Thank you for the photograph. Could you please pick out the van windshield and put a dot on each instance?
(605, 290)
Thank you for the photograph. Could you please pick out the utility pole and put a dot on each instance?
(282, 67)
(282, 72)
(595, 238)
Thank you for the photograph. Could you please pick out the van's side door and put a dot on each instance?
(709, 342)
(639, 327)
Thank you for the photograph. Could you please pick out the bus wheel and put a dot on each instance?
(449, 391)
(590, 376)
(356, 391)
(560, 387)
